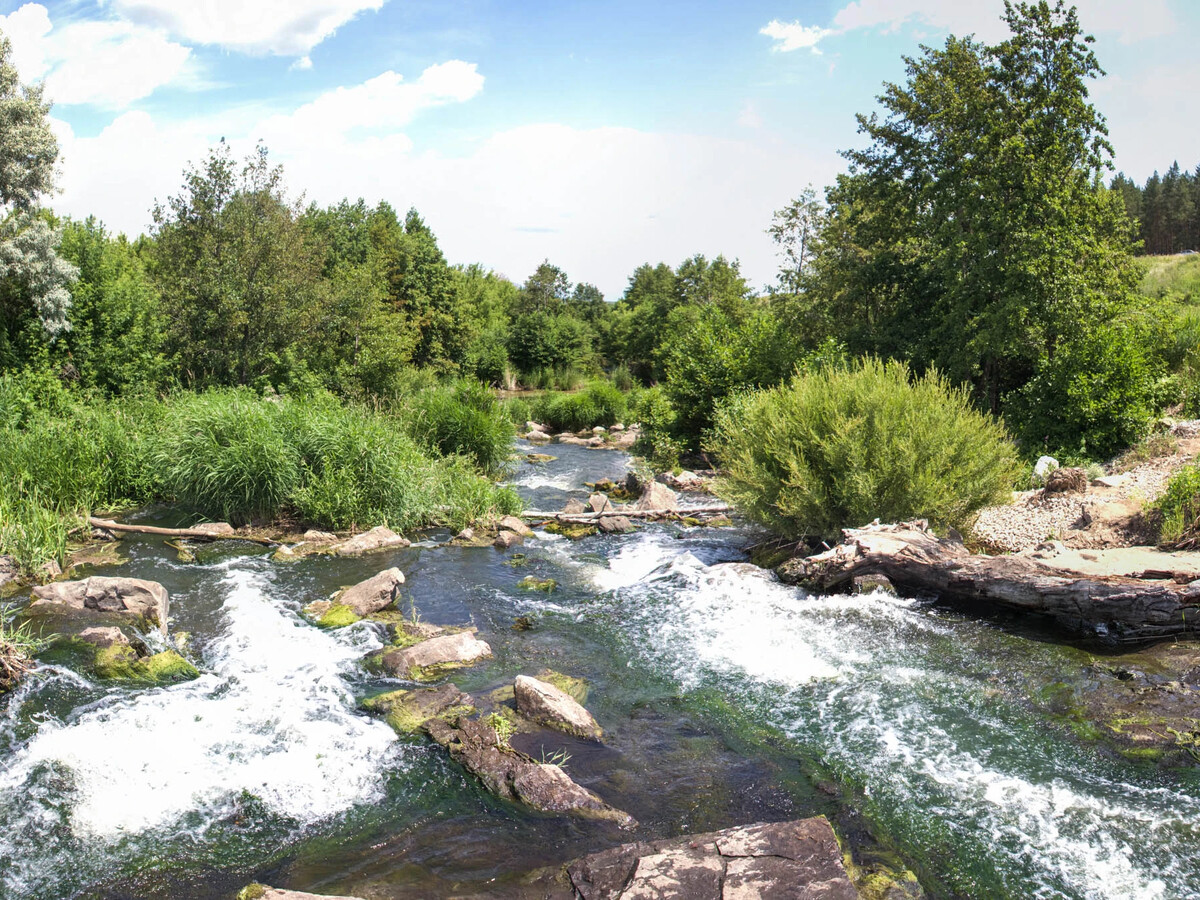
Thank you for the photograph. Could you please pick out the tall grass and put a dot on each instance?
(839, 447)
(1178, 510)
(464, 419)
(234, 456)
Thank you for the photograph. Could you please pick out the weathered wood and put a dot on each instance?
(1109, 609)
(629, 512)
(193, 533)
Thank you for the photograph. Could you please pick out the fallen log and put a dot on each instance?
(629, 512)
(1108, 609)
(199, 534)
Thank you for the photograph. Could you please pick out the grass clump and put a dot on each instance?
(17, 647)
(1178, 510)
(465, 419)
(841, 446)
(600, 403)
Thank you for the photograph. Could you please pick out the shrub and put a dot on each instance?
(1179, 510)
(465, 419)
(1095, 398)
(841, 446)
(600, 403)
(653, 411)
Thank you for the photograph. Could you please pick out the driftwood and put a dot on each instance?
(1108, 609)
(629, 512)
(194, 533)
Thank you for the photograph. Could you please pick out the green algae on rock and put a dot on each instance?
(532, 583)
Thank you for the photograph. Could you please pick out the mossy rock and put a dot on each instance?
(720, 522)
(575, 688)
(407, 711)
(517, 560)
(121, 662)
(253, 891)
(571, 530)
(539, 458)
(331, 615)
(530, 583)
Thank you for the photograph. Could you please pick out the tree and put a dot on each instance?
(795, 228)
(973, 233)
(236, 269)
(35, 280)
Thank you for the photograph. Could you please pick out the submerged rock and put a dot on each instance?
(135, 596)
(571, 530)
(532, 583)
(512, 776)
(121, 662)
(548, 705)
(799, 859)
(431, 658)
(378, 538)
(407, 711)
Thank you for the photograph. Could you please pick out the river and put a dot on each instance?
(726, 698)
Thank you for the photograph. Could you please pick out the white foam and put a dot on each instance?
(273, 717)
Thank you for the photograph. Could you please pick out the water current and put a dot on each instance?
(726, 698)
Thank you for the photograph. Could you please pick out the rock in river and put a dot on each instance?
(513, 776)
(548, 705)
(429, 659)
(657, 496)
(798, 860)
(263, 892)
(374, 594)
(408, 711)
(118, 595)
(378, 538)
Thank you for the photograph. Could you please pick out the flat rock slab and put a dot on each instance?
(514, 776)
(408, 711)
(798, 860)
(100, 594)
(374, 594)
(424, 660)
(514, 524)
(378, 538)
(262, 892)
(548, 705)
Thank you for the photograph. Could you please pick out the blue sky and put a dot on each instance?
(599, 135)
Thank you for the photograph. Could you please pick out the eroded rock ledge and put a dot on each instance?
(799, 860)
(1112, 609)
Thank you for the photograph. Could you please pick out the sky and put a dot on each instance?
(598, 134)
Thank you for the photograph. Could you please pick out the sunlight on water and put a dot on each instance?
(887, 694)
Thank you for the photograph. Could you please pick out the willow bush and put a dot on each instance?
(839, 447)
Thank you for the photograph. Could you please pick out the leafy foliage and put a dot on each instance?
(600, 403)
(839, 447)
(1179, 510)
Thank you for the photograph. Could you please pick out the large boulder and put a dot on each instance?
(378, 538)
(615, 524)
(376, 593)
(512, 776)
(430, 659)
(799, 859)
(657, 496)
(548, 705)
(135, 596)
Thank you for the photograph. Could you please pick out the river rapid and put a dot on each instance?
(726, 698)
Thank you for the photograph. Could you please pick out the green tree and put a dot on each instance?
(236, 270)
(973, 233)
(34, 280)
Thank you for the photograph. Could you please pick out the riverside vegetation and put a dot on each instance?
(350, 316)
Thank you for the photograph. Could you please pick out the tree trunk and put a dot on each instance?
(1108, 609)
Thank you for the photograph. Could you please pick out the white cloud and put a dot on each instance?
(749, 117)
(1148, 117)
(790, 36)
(1130, 22)
(279, 27)
(598, 202)
(105, 63)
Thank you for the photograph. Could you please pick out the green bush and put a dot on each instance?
(600, 403)
(519, 411)
(841, 446)
(1095, 398)
(465, 419)
(651, 409)
(1179, 510)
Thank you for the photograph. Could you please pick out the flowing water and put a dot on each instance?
(726, 698)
